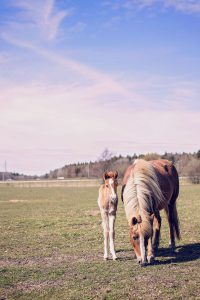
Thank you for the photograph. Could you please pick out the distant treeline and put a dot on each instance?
(187, 164)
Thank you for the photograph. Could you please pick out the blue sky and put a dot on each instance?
(79, 76)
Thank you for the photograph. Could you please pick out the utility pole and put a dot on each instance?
(6, 169)
(3, 174)
(88, 170)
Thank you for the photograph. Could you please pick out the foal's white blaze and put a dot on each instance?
(113, 194)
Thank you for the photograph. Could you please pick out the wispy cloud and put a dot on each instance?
(104, 82)
(43, 16)
(192, 6)
(185, 6)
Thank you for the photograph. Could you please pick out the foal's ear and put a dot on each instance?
(105, 176)
(115, 174)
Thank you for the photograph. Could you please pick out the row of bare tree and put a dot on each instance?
(187, 164)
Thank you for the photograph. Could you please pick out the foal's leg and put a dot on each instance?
(105, 225)
(112, 235)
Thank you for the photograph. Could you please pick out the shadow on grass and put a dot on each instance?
(183, 253)
(125, 254)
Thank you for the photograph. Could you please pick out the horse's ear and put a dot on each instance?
(105, 176)
(116, 174)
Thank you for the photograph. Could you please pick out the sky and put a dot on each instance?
(77, 77)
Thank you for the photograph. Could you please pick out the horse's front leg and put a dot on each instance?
(157, 226)
(112, 235)
(143, 245)
(150, 252)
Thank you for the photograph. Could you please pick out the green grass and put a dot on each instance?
(51, 246)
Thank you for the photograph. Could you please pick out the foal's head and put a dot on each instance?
(111, 183)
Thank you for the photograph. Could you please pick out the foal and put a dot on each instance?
(107, 202)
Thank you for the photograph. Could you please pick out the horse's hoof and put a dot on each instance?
(115, 258)
(105, 258)
(172, 251)
(143, 264)
(150, 259)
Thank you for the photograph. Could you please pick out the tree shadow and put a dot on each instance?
(184, 253)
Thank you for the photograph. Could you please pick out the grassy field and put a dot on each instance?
(51, 246)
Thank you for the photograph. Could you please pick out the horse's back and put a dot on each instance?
(166, 173)
(167, 177)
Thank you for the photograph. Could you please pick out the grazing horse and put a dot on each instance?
(107, 202)
(148, 187)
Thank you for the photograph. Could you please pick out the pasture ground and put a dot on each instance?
(52, 247)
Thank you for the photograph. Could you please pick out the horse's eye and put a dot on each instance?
(135, 238)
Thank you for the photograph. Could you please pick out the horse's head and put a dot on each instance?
(111, 183)
(139, 236)
(135, 236)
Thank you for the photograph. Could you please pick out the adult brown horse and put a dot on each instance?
(148, 187)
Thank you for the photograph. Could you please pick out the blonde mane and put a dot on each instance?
(142, 195)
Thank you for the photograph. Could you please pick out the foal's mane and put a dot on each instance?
(142, 194)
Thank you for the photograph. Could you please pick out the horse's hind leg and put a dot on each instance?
(157, 226)
(172, 243)
(112, 235)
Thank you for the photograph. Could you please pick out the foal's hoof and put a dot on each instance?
(115, 258)
(105, 258)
